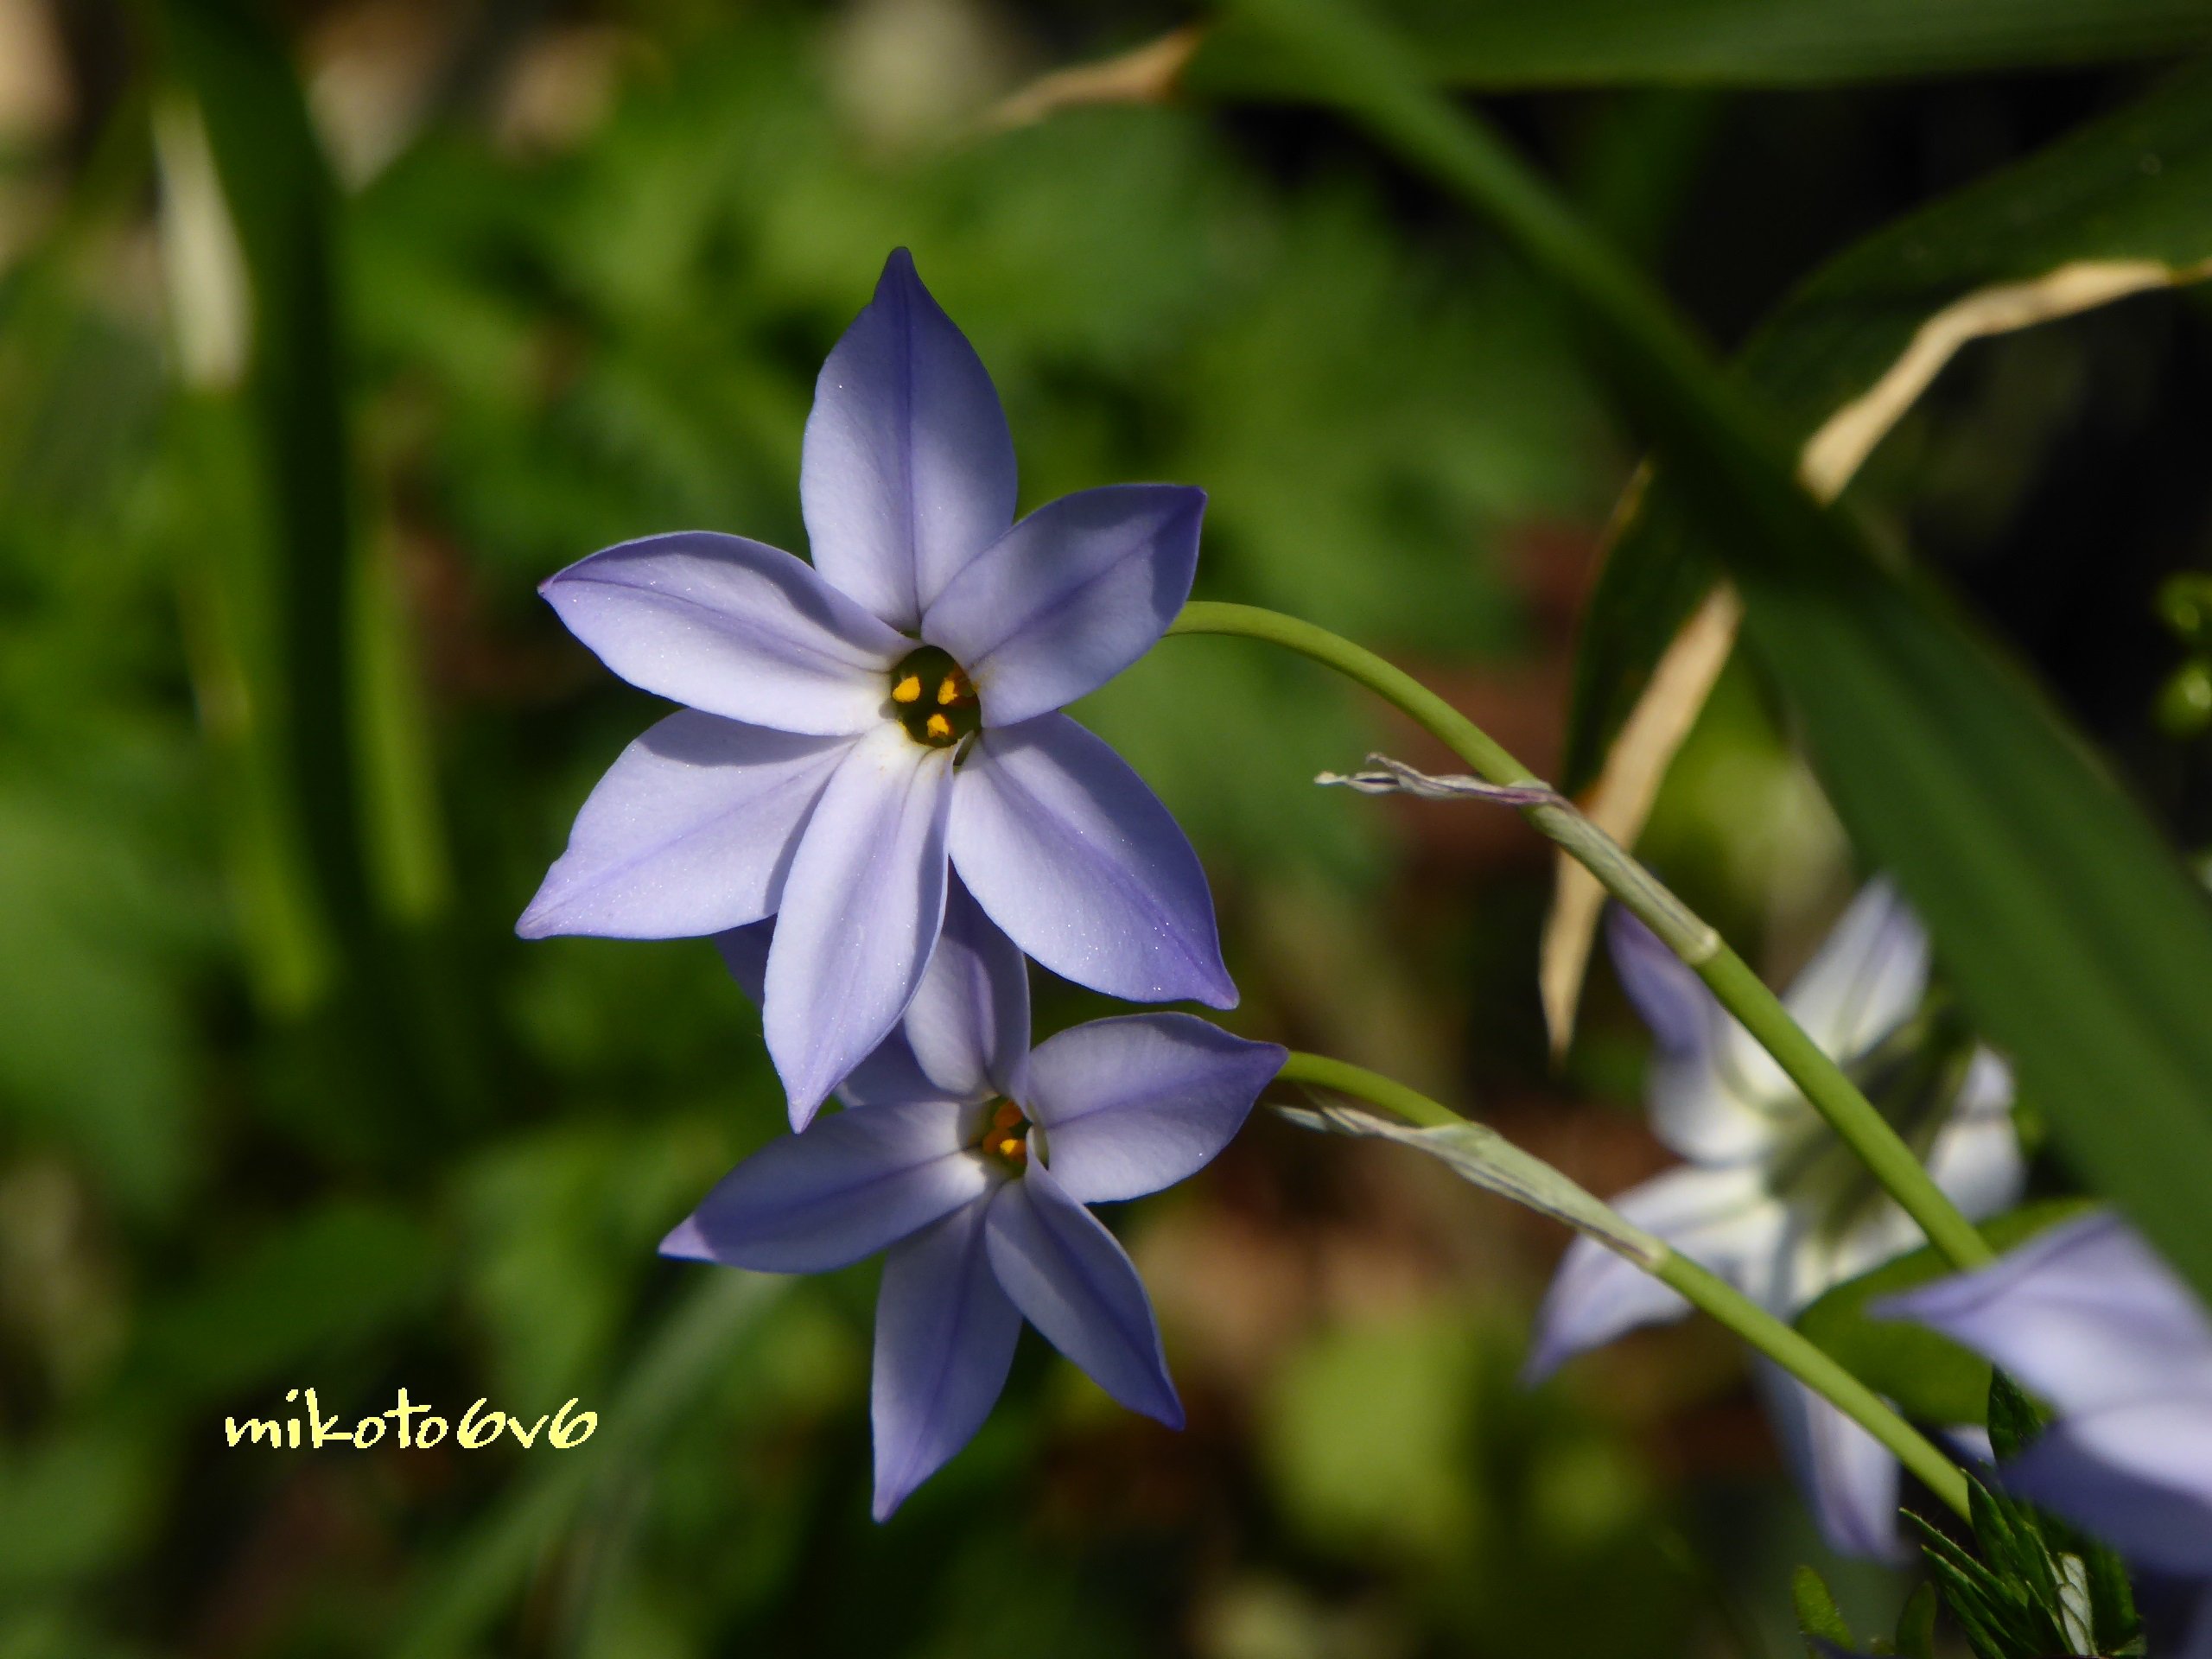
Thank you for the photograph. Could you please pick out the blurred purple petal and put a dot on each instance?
(968, 1023)
(944, 1335)
(907, 470)
(1723, 1219)
(1067, 850)
(1866, 978)
(1666, 991)
(1700, 1107)
(863, 904)
(689, 832)
(1131, 1105)
(2137, 1475)
(734, 627)
(1076, 1284)
(850, 1185)
(2083, 1314)
(1848, 1476)
(1070, 596)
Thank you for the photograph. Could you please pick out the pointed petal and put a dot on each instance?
(1070, 596)
(1849, 1480)
(861, 908)
(907, 470)
(732, 626)
(690, 831)
(1665, 990)
(1703, 1106)
(968, 1023)
(1594, 1297)
(890, 1073)
(1132, 1105)
(2059, 1311)
(2137, 1475)
(1068, 851)
(944, 1335)
(1867, 976)
(852, 1184)
(1724, 1219)
(1076, 1284)
(1976, 1160)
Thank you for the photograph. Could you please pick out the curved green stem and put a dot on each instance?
(1712, 1294)
(1833, 1095)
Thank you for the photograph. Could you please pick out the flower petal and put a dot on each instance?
(944, 1335)
(1702, 1106)
(690, 831)
(968, 1023)
(1076, 1284)
(889, 1075)
(1067, 850)
(732, 626)
(1975, 1158)
(1866, 978)
(1070, 596)
(1723, 1218)
(1848, 1477)
(2083, 1314)
(852, 1184)
(861, 908)
(2139, 1475)
(1665, 990)
(1131, 1105)
(907, 469)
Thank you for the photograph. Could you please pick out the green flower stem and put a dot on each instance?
(1741, 992)
(1711, 1294)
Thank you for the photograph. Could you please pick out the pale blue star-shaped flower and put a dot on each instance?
(1768, 1198)
(969, 1157)
(2087, 1317)
(857, 727)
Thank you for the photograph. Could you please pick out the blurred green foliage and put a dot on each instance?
(275, 1114)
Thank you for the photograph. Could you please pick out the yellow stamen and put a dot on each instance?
(948, 690)
(1010, 1148)
(909, 690)
(938, 727)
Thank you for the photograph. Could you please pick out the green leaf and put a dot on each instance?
(2014, 1419)
(280, 201)
(1734, 42)
(1915, 1637)
(2123, 191)
(1930, 1376)
(1818, 1616)
(2078, 944)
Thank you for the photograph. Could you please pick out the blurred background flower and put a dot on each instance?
(286, 740)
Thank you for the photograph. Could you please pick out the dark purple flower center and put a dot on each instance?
(933, 698)
(1005, 1136)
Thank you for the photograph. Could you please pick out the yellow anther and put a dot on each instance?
(938, 727)
(1010, 1148)
(948, 690)
(908, 690)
